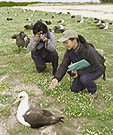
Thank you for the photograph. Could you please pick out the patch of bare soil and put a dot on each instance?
(3, 78)
(110, 79)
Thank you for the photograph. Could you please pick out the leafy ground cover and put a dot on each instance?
(11, 3)
(83, 115)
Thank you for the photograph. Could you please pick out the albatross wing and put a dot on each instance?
(37, 117)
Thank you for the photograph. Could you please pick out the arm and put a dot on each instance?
(33, 43)
(51, 44)
(61, 71)
(63, 67)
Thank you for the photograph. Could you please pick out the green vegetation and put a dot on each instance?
(106, 1)
(83, 115)
(6, 111)
(10, 4)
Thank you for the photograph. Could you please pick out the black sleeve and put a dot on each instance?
(94, 59)
(63, 67)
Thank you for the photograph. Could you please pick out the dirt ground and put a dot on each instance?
(99, 11)
(9, 125)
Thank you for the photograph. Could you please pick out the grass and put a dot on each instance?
(10, 4)
(83, 115)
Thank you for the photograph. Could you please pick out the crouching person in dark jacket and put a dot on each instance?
(43, 47)
(77, 49)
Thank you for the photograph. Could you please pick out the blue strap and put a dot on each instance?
(48, 34)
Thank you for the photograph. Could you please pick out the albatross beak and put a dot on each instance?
(17, 100)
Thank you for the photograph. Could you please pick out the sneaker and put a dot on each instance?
(95, 95)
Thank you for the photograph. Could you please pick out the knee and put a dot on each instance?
(74, 86)
(84, 80)
(41, 69)
(74, 89)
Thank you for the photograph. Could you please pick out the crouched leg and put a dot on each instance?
(53, 58)
(39, 62)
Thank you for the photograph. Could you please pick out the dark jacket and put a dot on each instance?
(85, 51)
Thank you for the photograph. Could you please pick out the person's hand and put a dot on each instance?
(37, 37)
(72, 74)
(75, 76)
(53, 83)
(45, 40)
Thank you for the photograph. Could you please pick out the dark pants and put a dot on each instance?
(40, 61)
(86, 81)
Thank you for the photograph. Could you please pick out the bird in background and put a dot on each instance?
(111, 23)
(9, 19)
(98, 21)
(59, 29)
(60, 21)
(72, 16)
(103, 26)
(20, 41)
(48, 22)
(34, 117)
(68, 12)
(28, 27)
(81, 20)
(53, 16)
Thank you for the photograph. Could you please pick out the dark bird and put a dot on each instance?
(111, 23)
(46, 13)
(60, 13)
(72, 16)
(95, 18)
(48, 22)
(53, 16)
(28, 19)
(28, 27)
(68, 13)
(34, 117)
(98, 21)
(81, 20)
(103, 26)
(9, 19)
(59, 29)
(20, 41)
(60, 21)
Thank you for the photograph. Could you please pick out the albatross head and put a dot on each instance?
(21, 97)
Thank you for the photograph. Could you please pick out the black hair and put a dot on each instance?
(83, 41)
(71, 39)
(40, 27)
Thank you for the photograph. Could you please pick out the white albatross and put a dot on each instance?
(34, 117)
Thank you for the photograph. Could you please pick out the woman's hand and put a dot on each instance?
(53, 84)
(75, 75)
(45, 40)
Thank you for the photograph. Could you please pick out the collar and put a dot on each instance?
(78, 48)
